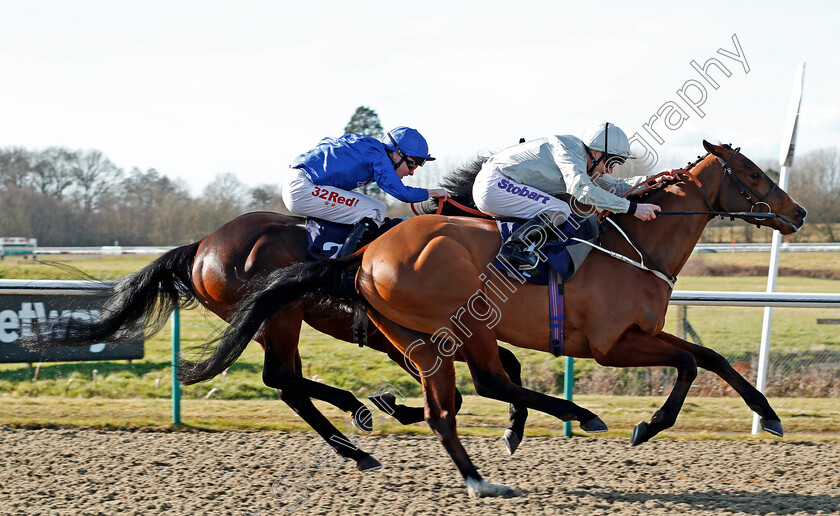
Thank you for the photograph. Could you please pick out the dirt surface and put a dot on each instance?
(88, 472)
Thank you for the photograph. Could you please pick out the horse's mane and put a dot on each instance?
(459, 184)
(650, 193)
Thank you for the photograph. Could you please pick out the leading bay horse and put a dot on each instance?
(427, 287)
(216, 272)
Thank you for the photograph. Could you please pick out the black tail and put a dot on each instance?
(137, 305)
(327, 280)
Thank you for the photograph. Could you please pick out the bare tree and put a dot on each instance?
(222, 200)
(266, 197)
(94, 174)
(52, 171)
(15, 167)
(815, 184)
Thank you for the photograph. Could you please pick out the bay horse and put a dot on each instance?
(216, 272)
(427, 289)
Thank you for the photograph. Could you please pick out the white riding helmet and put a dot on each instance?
(608, 138)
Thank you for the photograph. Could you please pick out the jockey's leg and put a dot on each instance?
(522, 250)
(500, 196)
(362, 233)
(303, 197)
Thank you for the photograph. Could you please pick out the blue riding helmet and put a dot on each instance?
(409, 142)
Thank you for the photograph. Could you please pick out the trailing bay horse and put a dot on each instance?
(427, 287)
(216, 272)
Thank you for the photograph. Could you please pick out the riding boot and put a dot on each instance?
(522, 248)
(362, 233)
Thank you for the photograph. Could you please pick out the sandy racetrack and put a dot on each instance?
(88, 472)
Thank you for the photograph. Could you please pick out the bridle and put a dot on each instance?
(748, 193)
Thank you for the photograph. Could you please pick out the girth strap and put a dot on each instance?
(556, 313)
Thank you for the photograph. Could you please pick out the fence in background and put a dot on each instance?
(765, 247)
(805, 351)
(64, 288)
(804, 357)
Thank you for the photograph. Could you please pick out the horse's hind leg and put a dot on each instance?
(387, 401)
(439, 394)
(518, 415)
(714, 362)
(279, 372)
(407, 415)
(638, 349)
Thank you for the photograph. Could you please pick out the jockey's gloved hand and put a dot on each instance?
(438, 193)
(646, 211)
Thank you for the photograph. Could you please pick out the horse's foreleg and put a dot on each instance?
(637, 349)
(712, 361)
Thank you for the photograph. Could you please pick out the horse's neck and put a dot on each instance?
(671, 238)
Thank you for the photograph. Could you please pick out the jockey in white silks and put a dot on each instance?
(521, 182)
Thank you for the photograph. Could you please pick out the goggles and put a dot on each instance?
(413, 163)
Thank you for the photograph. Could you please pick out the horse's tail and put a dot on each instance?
(135, 306)
(329, 280)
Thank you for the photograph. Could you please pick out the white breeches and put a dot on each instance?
(303, 197)
(497, 195)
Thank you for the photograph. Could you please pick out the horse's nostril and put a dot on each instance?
(800, 213)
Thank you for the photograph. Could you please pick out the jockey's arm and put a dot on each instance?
(388, 180)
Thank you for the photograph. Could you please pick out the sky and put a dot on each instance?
(195, 89)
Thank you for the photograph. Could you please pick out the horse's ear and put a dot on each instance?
(717, 150)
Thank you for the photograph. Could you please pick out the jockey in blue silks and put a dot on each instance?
(321, 181)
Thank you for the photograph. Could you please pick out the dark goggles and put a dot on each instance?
(411, 162)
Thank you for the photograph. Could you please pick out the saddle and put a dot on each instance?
(564, 257)
(324, 239)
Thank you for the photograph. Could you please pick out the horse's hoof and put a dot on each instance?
(772, 426)
(594, 426)
(639, 434)
(363, 419)
(368, 463)
(512, 440)
(480, 488)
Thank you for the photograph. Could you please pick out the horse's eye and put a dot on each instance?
(755, 176)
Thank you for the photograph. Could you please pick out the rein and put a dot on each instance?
(456, 204)
(651, 184)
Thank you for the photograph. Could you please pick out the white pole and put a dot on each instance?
(785, 160)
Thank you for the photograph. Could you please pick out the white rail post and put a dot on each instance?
(785, 160)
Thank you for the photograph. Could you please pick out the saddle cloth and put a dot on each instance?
(325, 239)
(565, 257)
